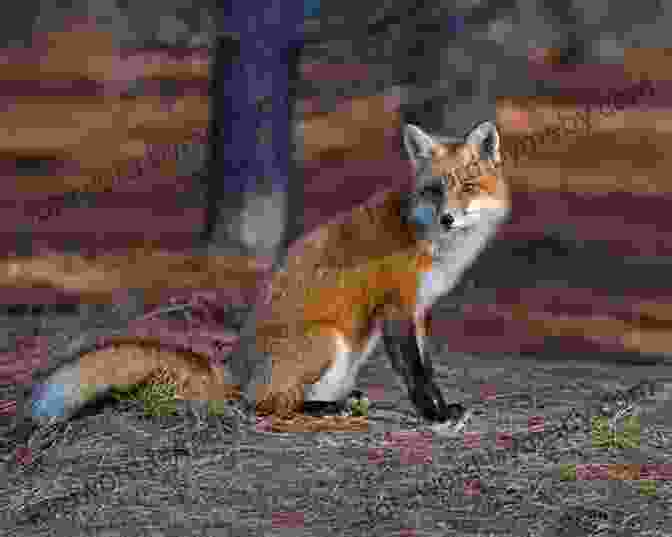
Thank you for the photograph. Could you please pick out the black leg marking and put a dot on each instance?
(402, 346)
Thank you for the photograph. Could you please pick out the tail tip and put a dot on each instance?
(47, 401)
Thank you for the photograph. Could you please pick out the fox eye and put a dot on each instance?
(470, 188)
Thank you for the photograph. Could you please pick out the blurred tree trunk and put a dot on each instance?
(251, 200)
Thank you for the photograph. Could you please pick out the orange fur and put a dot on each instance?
(345, 271)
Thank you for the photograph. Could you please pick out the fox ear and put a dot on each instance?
(485, 137)
(418, 144)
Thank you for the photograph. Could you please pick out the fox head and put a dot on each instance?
(459, 190)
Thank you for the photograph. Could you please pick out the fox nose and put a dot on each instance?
(447, 220)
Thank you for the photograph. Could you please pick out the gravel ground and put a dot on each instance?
(117, 472)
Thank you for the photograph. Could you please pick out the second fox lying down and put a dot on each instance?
(372, 275)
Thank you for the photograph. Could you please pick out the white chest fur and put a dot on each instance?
(453, 261)
(432, 285)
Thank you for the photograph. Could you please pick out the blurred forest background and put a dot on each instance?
(126, 141)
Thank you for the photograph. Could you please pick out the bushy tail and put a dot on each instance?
(122, 361)
(93, 366)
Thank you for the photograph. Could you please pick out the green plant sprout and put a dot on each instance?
(158, 399)
(216, 407)
(568, 472)
(604, 435)
(359, 407)
(647, 487)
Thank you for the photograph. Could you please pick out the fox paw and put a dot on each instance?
(323, 408)
(458, 418)
(355, 405)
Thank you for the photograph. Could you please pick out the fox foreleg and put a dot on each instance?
(405, 342)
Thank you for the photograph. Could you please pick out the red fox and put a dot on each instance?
(372, 275)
